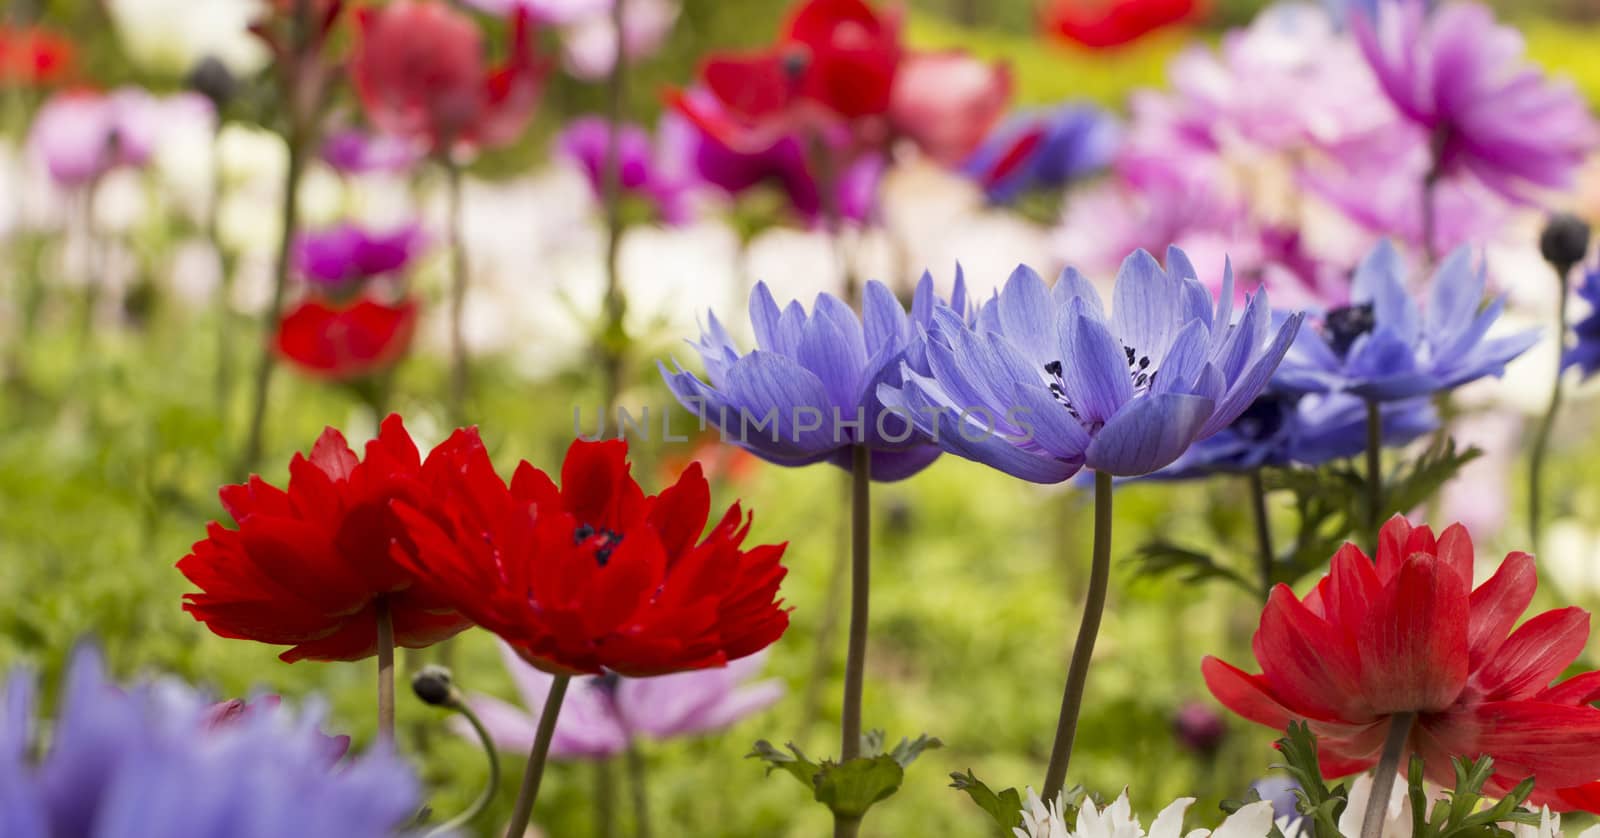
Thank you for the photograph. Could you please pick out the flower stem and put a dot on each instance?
(1374, 472)
(224, 302)
(380, 608)
(846, 827)
(487, 795)
(860, 582)
(280, 283)
(1383, 777)
(1266, 556)
(537, 756)
(605, 798)
(823, 653)
(639, 791)
(612, 342)
(1541, 439)
(459, 276)
(1078, 671)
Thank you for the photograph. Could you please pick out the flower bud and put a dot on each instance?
(212, 79)
(433, 685)
(1564, 241)
(1199, 728)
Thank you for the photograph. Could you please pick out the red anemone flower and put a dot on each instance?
(306, 567)
(1408, 633)
(33, 57)
(340, 342)
(1101, 24)
(594, 575)
(419, 70)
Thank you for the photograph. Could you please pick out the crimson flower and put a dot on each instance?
(1103, 24)
(594, 575)
(33, 57)
(341, 341)
(419, 70)
(1408, 633)
(306, 566)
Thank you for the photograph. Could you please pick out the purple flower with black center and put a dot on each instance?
(148, 760)
(602, 715)
(1383, 347)
(1584, 353)
(1286, 429)
(660, 176)
(809, 392)
(1043, 150)
(1464, 81)
(1047, 382)
(346, 253)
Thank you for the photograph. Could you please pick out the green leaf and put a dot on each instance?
(1005, 807)
(1317, 802)
(851, 788)
(1161, 558)
(796, 764)
(908, 750)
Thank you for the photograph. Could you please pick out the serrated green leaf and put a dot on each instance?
(850, 788)
(908, 750)
(1161, 558)
(795, 762)
(1004, 807)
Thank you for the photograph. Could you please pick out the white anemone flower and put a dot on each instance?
(1117, 820)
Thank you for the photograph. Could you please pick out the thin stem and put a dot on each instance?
(1078, 671)
(639, 790)
(1430, 201)
(280, 284)
(860, 584)
(1266, 556)
(846, 827)
(605, 798)
(485, 797)
(224, 373)
(1541, 439)
(1374, 472)
(93, 262)
(380, 608)
(537, 756)
(459, 277)
(1383, 777)
(613, 344)
(823, 653)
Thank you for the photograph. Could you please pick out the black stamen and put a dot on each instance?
(1054, 368)
(1342, 326)
(583, 533)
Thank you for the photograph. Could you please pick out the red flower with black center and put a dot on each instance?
(594, 576)
(1408, 634)
(1102, 24)
(306, 567)
(341, 342)
(419, 70)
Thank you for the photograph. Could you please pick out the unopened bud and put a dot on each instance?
(433, 685)
(1564, 241)
(212, 79)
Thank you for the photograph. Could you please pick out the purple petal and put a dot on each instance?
(1094, 368)
(1149, 434)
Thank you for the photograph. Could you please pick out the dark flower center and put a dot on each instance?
(607, 682)
(1262, 420)
(603, 540)
(1343, 325)
(1138, 370)
(794, 63)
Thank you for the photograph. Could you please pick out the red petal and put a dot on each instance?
(1246, 694)
(1554, 742)
(596, 487)
(332, 455)
(1497, 605)
(1391, 551)
(1310, 666)
(753, 87)
(1534, 655)
(1414, 643)
(679, 513)
(1579, 689)
(1455, 550)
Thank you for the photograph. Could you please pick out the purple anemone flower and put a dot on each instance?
(147, 760)
(644, 170)
(602, 715)
(1284, 429)
(345, 253)
(355, 152)
(1464, 81)
(81, 135)
(1584, 352)
(809, 391)
(1384, 347)
(1043, 150)
(1047, 382)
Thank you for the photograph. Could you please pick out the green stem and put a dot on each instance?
(1078, 671)
(605, 798)
(1541, 439)
(860, 582)
(1266, 556)
(380, 608)
(1394, 747)
(536, 757)
(1374, 472)
(846, 827)
(280, 284)
(639, 790)
(822, 653)
(459, 277)
(612, 342)
(485, 797)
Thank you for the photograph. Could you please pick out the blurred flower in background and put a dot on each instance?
(152, 759)
(1043, 150)
(604, 715)
(1584, 352)
(588, 41)
(1101, 24)
(946, 102)
(657, 171)
(35, 57)
(170, 37)
(81, 135)
(341, 341)
(343, 255)
(352, 151)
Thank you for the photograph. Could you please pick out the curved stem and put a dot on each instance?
(1078, 671)
(280, 283)
(459, 274)
(1266, 556)
(380, 608)
(537, 757)
(487, 795)
(1383, 777)
(639, 791)
(1374, 472)
(1541, 439)
(612, 342)
(860, 583)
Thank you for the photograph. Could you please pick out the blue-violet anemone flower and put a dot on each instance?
(809, 391)
(1384, 347)
(1047, 382)
(151, 759)
(1584, 353)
